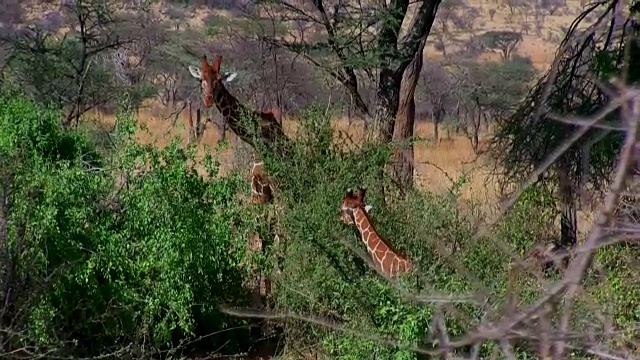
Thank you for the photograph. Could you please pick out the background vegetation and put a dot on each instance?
(114, 248)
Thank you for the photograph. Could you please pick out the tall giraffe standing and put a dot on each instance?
(232, 110)
(265, 125)
(354, 211)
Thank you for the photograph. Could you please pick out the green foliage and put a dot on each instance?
(619, 293)
(520, 229)
(30, 131)
(131, 247)
(497, 86)
(335, 282)
(523, 140)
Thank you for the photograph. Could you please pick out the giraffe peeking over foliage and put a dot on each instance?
(354, 211)
(211, 79)
(212, 82)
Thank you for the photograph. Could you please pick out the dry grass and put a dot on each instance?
(436, 162)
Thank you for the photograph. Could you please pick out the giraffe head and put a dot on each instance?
(350, 202)
(211, 79)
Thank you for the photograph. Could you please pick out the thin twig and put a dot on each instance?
(578, 267)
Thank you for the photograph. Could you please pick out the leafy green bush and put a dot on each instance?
(529, 221)
(320, 273)
(616, 289)
(120, 249)
(128, 246)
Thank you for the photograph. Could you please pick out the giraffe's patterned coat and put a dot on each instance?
(215, 93)
(388, 261)
(261, 190)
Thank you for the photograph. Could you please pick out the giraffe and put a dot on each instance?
(354, 211)
(214, 93)
(261, 193)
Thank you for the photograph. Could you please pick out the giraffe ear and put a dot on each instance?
(228, 77)
(195, 72)
(216, 63)
(368, 208)
(361, 192)
(349, 192)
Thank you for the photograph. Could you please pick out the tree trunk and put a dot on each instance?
(199, 130)
(190, 136)
(568, 211)
(387, 99)
(436, 131)
(475, 128)
(437, 119)
(403, 130)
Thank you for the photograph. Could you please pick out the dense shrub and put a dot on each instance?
(125, 246)
(118, 248)
(321, 274)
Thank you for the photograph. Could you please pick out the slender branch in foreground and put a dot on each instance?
(576, 271)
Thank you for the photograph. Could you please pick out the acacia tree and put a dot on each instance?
(356, 43)
(76, 69)
(503, 42)
(437, 83)
(526, 139)
(449, 17)
(490, 90)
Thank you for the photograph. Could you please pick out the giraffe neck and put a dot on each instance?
(261, 189)
(384, 258)
(228, 105)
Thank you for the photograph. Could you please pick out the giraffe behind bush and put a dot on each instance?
(354, 211)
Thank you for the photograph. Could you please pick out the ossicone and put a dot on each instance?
(216, 63)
